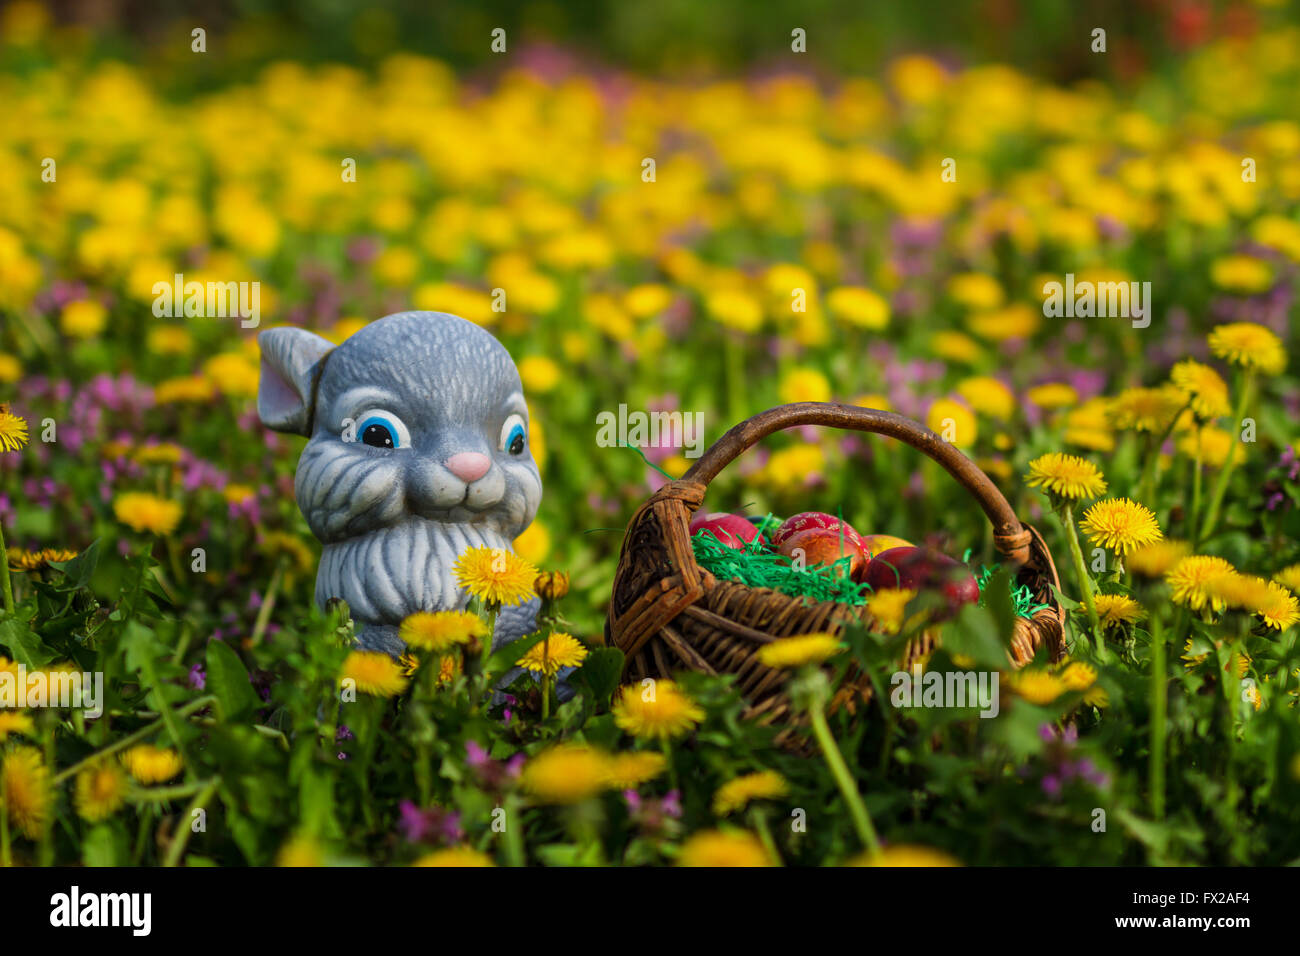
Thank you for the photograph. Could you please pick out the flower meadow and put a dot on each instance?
(712, 245)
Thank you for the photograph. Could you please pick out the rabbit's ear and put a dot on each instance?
(292, 360)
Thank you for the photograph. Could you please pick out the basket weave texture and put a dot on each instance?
(667, 614)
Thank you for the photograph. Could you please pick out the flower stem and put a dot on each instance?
(1081, 572)
(130, 739)
(1191, 521)
(759, 822)
(1246, 381)
(1159, 703)
(5, 583)
(179, 840)
(514, 837)
(843, 779)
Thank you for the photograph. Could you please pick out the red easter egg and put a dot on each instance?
(817, 519)
(821, 546)
(731, 530)
(923, 569)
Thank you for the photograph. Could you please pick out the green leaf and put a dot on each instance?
(81, 569)
(103, 845)
(600, 673)
(228, 679)
(504, 658)
(140, 645)
(24, 644)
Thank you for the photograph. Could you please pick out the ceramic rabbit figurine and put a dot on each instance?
(418, 450)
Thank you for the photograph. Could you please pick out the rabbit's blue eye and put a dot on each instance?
(514, 437)
(382, 431)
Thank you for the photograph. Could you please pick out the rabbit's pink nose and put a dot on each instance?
(468, 465)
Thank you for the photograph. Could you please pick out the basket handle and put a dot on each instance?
(1012, 539)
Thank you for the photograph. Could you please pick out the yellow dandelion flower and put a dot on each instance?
(1213, 445)
(790, 652)
(629, 770)
(717, 848)
(440, 631)
(1289, 577)
(955, 347)
(988, 396)
(150, 764)
(735, 309)
(953, 421)
(1065, 476)
(374, 673)
(495, 575)
(11, 370)
(1078, 676)
(975, 290)
(1053, 395)
(539, 374)
(1116, 610)
(190, 389)
(410, 664)
(455, 856)
(1203, 387)
(1249, 345)
(300, 851)
(163, 453)
(1241, 274)
(1120, 524)
(551, 653)
(1146, 409)
(1154, 560)
(1190, 658)
(169, 340)
(789, 469)
(859, 307)
(100, 791)
(887, 607)
(1037, 686)
(1016, 321)
(13, 430)
(14, 722)
(83, 319)
(566, 773)
(1190, 578)
(25, 791)
(804, 385)
(1231, 589)
(658, 711)
(735, 795)
(145, 512)
(905, 855)
(534, 542)
(20, 560)
(1279, 608)
(1096, 696)
(237, 494)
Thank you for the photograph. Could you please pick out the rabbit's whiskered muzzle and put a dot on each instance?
(432, 490)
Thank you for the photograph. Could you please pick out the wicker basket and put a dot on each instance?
(666, 613)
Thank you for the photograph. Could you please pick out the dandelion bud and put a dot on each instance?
(552, 585)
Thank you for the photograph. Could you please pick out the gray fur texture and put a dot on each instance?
(396, 501)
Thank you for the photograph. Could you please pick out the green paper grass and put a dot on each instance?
(757, 566)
